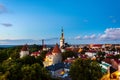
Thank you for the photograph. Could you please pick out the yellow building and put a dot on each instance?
(114, 76)
(53, 57)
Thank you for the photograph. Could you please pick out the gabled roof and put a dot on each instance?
(36, 53)
(49, 53)
(25, 48)
(56, 49)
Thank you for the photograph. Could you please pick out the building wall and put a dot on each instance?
(52, 59)
(61, 42)
(24, 53)
(57, 58)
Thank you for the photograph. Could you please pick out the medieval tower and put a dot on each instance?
(62, 40)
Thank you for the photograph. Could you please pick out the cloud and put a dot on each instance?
(4, 42)
(93, 36)
(50, 39)
(111, 34)
(113, 19)
(86, 37)
(77, 37)
(3, 9)
(26, 41)
(6, 24)
(17, 41)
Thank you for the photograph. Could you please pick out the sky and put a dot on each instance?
(83, 21)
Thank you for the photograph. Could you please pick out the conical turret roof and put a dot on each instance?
(25, 48)
(56, 49)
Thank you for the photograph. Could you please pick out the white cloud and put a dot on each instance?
(93, 36)
(77, 37)
(86, 37)
(111, 34)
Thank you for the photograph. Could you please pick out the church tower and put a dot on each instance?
(62, 39)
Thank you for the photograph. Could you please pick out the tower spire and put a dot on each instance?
(62, 38)
(62, 35)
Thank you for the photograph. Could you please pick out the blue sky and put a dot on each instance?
(84, 21)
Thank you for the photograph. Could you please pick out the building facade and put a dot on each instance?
(53, 57)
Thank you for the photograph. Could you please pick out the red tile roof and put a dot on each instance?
(83, 56)
(36, 53)
(69, 49)
(107, 60)
(97, 45)
(49, 53)
(56, 49)
(24, 48)
(72, 49)
(69, 61)
(92, 51)
(117, 60)
(108, 55)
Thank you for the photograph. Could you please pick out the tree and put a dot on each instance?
(67, 54)
(15, 55)
(28, 60)
(11, 70)
(34, 72)
(43, 53)
(100, 56)
(85, 69)
(27, 68)
(3, 55)
(34, 48)
(39, 60)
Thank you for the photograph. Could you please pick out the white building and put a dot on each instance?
(24, 51)
(90, 54)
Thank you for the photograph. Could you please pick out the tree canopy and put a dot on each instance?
(27, 68)
(67, 54)
(85, 69)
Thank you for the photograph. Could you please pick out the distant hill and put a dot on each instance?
(7, 46)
